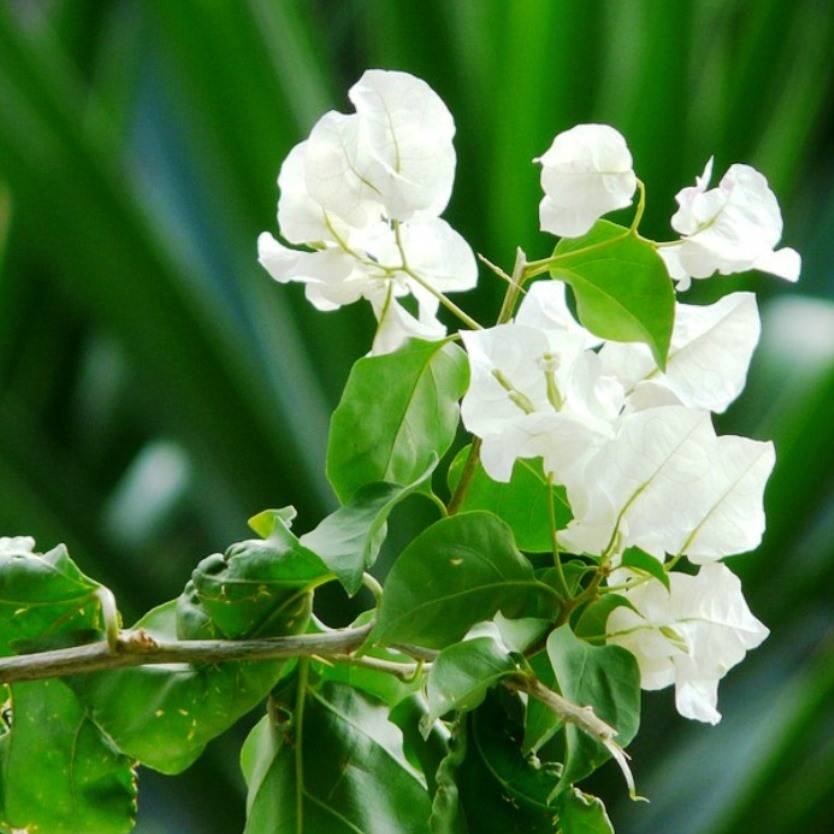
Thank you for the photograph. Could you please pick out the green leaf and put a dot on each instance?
(352, 775)
(396, 414)
(581, 813)
(447, 814)
(644, 563)
(500, 790)
(605, 678)
(164, 716)
(522, 502)
(424, 752)
(593, 619)
(59, 774)
(623, 291)
(45, 599)
(456, 573)
(256, 589)
(348, 540)
(462, 674)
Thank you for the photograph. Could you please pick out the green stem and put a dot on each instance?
(554, 541)
(515, 287)
(466, 476)
(298, 719)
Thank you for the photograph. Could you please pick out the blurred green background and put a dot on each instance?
(156, 388)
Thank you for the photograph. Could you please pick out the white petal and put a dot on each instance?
(671, 256)
(328, 273)
(300, 218)
(586, 173)
(407, 135)
(645, 478)
(439, 255)
(396, 325)
(709, 355)
(335, 170)
(545, 306)
(785, 263)
(733, 518)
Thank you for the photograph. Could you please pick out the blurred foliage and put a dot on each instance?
(156, 388)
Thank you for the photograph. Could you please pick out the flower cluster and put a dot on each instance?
(364, 193)
(631, 442)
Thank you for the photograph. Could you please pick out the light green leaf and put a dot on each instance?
(342, 772)
(348, 540)
(59, 774)
(642, 562)
(458, 572)
(605, 678)
(581, 813)
(396, 414)
(623, 291)
(522, 502)
(461, 675)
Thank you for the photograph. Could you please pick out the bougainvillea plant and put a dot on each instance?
(577, 553)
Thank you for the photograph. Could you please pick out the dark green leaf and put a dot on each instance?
(603, 677)
(462, 674)
(581, 813)
(456, 573)
(348, 540)
(642, 562)
(522, 502)
(397, 413)
(447, 814)
(352, 775)
(623, 291)
(59, 774)
(424, 753)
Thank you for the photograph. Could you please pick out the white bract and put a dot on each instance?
(690, 636)
(734, 227)
(708, 359)
(537, 389)
(667, 484)
(364, 193)
(586, 173)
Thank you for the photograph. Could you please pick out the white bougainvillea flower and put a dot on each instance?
(364, 192)
(586, 173)
(16, 544)
(708, 359)
(732, 228)
(407, 151)
(393, 157)
(690, 636)
(538, 391)
(667, 484)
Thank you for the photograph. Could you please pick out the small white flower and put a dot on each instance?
(690, 636)
(537, 390)
(586, 173)
(732, 228)
(364, 192)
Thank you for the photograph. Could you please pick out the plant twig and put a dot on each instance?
(138, 648)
